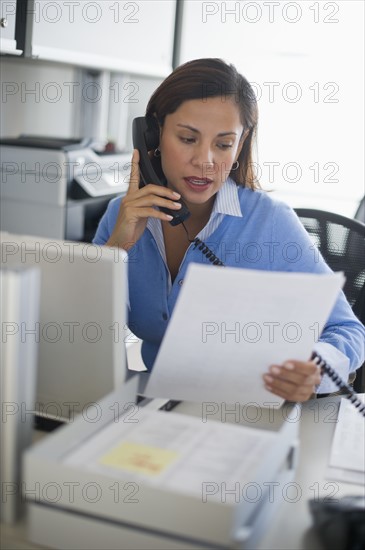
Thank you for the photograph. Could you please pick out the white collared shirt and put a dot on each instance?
(226, 203)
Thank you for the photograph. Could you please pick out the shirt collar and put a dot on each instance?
(227, 201)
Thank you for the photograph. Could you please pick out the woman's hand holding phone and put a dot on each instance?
(138, 205)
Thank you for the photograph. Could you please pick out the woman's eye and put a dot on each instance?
(187, 139)
(225, 145)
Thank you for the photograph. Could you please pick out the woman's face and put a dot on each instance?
(199, 143)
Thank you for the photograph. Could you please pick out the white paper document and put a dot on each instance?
(230, 324)
(175, 452)
(347, 461)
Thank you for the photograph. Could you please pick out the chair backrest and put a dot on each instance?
(341, 242)
(360, 212)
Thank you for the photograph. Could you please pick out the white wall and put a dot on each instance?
(304, 58)
(36, 98)
(306, 62)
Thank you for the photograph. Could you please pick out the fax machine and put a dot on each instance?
(58, 188)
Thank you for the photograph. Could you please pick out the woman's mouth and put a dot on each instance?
(198, 184)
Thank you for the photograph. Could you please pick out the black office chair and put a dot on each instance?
(360, 212)
(341, 242)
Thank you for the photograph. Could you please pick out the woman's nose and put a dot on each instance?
(203, 156)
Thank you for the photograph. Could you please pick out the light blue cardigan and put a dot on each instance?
(247, 229)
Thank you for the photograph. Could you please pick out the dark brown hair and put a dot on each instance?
(212, 77)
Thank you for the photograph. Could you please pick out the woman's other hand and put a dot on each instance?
(293, 380)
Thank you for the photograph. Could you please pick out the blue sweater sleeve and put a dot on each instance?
(107, 222)
(342, 330)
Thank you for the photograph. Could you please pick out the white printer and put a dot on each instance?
(140, 477)
(58, 188)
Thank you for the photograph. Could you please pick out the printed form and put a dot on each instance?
(230, 324)
(175, 452)
(347, 461)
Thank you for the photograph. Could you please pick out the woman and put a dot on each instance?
(207, 116)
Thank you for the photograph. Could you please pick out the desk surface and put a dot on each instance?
(291, 528)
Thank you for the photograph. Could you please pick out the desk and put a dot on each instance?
(291, 527)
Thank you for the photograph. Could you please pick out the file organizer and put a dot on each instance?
(20, 299)
(161, 517)
(82, 320)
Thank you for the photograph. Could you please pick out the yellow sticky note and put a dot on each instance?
(139, 458)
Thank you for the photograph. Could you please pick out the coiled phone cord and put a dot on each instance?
(204, 248)
(351, 395)
(207, 252)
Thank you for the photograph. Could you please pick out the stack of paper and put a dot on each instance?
(175, 452)
(347, 462)
(20, 298)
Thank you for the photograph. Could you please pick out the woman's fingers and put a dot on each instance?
(154, 200)
(139, 204)
(294, 380)
(158, 190)
(151, 188)
(146, 212)
(297, 372)
(134, 176)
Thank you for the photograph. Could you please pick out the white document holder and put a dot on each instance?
(72, 507)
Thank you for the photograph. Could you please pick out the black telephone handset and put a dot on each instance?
(146, 137)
